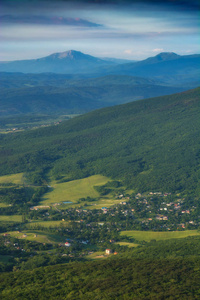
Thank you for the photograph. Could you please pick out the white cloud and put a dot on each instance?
(158, 50)
(128, 51)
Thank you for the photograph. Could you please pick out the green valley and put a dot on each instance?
(115, 191)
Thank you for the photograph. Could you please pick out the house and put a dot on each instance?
(104, 208)
(112, 241)
(67, 244)
(108, 251)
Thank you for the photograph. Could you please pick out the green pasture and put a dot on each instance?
(73, 190)
(3, 205)
(37, 236)
(12, 218)
(97, 255)
(127, 244)
(13, 178)
(102, 202)
(161, 235)
(47, 224)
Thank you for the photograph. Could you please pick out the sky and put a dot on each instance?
(132, 30)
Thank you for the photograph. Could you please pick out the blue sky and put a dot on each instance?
(122, 29)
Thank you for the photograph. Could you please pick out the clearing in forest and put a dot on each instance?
(11, 179)
(68, 193)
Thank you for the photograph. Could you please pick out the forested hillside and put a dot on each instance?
(149, 144)
(123, 278)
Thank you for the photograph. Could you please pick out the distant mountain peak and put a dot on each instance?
(167, 55)
(70, 54)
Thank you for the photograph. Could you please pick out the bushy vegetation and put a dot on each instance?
(114, 279)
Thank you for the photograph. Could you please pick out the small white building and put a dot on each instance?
(67, 244)
(108, 251)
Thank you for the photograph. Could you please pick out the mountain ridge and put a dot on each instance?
(76, 62)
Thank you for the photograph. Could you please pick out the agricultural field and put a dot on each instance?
(97, 255)
(34, 235)
(127, 244)
(46, 224)
(3, 205)
(70, 192)
(14, 178)
(11, 218)
(147, 236)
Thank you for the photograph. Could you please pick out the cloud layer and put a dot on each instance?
(46, 20)
(124, 29)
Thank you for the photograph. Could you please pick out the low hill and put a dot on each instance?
(150, 144)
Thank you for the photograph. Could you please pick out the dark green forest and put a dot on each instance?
(117, 278)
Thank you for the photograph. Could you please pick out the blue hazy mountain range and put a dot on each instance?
(164, 66)
(74, 83)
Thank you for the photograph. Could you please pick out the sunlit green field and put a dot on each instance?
(73, 190)
(164, 235)
(47, 224)
(34, 235)
(14, 178)
(127, 244)
(12, 218)
(96, 255)
(3, 205)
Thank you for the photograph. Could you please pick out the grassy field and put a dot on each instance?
(102, 202)
(164, 235)
(12, 218)
(3, 205)
(14, 178)
(73, 190)
(97, 255)
(34, 235)
(46, 224)
(127, 244)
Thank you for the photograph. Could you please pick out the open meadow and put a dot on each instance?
(13, 178)
(73, 190)
(46, 224)
(147, 236)
(11, 218)
(70, 192)
(37, 236)
(127, 244)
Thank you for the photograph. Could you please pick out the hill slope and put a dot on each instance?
(149, 144)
